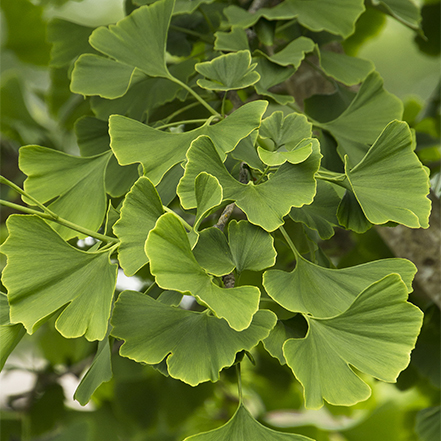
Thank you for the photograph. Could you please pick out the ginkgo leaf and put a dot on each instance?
(44, 274)
(348, 70)
(228, 72)
(251, 247)
(242, 426)
(138, 40)
(375, 108)
(196, 346)
(272, 74)
(246, 151)
(265, 204)
(350, 214)
(141, 209)
(69, 179)
(235, 40)
(335, 17)
(405, 11)
(321, 215)
(175, 268)
(390, 166)
(374, 335)
(292, 54)
(99, 372)
(298, 154)
(324, 292)
(209, 194)
(158, 151)
(10, 335)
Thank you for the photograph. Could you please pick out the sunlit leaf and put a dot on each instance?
(141, 209)
(10, 335)
(335, 17)
(325, 292)
(208, 195)
(265, 204)
(175, 268)
(242, 425)
(44, 274)
(196, 346)
(348, 70)
(228, 72)
(374, 335)
(367, 115)
(390, 183)
(158, 151)
(70, 179)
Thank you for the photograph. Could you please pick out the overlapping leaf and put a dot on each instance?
(321, 215)
(335, 17)
(175, 268)
(390, 183)
(265, 204)
(242, 425)
(10, 335)
(158, 151)
(196, 346)
(69, 179)
(325, 292)
(375, 335)
(405, 11)
(375, 108)
(228, 72)
(235, 40)
(141, 209)
(209, 194)
(44, 274)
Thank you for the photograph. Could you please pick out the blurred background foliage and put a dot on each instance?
(37, 384)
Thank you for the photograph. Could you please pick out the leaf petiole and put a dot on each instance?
(289, 242)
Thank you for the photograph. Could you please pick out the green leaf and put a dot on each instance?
(242, 425)
(325, 292)
(181, 6)
(321, 215)
(69, 179)
(27, 31)
(196, 346)
(350, 214)
(10, 335)
(235, 40)
(428, 423)
(251, 247)
(175, 268)
(335, 17)
(246, 151)
(208, 194)
(348, 70)
(405, 11)
(45, 274)
(138, 40)
(374, 335)
(272, 74)
(69, 40)
(389, 167)
(375, 108)
(228, 72)
(140, 210)
(292, 54)
(213, 252)
(264, 204)
(98, 373)
(158, 151)
(95, 75)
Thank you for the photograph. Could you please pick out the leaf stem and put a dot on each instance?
(177, 123)
(200, 99)
(333, 177)
(181, 110)
(150, 287)
(265, 172)
(239, 382)
(185, 223)
(289, 242)
(192, 33)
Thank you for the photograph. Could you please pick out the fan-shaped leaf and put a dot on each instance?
(196, 346)
(208, 194)
(45, 274)
(235, 40)
(158, 151)
(175, 268)
(375, 335)
(325, 292)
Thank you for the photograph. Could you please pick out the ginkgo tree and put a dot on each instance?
(200, 174)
